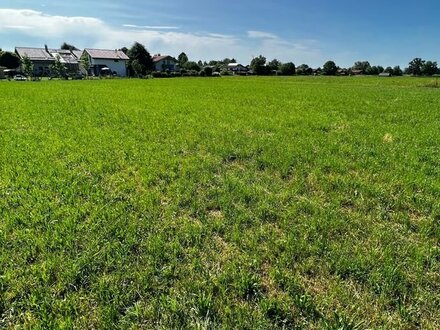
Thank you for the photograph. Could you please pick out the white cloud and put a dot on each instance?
(151, 27)
(95, 33)
(261, 35)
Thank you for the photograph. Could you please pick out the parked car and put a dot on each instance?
(19, 77)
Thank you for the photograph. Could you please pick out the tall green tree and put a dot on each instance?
(58, 69)
(274, 65)
(144, 62)
(28, 67)
(258, 65)
(85, 63)
(182, 59)
(288, 69)
(9, 60)
(304, 69)
(415, 66)
(361, 65)
(429, 68)
(329, 68)
(397, 71)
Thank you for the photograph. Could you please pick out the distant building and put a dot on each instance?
(385, 74)
(317, 71)
(68, 58)
(342, 72)
(43, 58)
(164, 63)
(40, 57)
(237, 68)
(105, 61)
(357, 72)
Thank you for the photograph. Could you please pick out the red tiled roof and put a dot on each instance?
(158, 58)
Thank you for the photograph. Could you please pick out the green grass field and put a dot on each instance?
(234, 203)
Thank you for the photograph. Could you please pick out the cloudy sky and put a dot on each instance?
(389, 32)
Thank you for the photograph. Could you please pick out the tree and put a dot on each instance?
(67, 46)
(190, 65)
(415, 66)
(258, 65)
(182, 59)
(9, 60)
(304, 69)
(397, 71)
(274, 65)
(144, 62)
(136, 68)
(58, 69)
(288, 69)
(363, 66)
(329, 68)
(389, 70)
(208, 71)
(374, 70)
(429, 68)
(28, 67)
(85, 62)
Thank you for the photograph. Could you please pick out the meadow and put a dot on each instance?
(233, 203)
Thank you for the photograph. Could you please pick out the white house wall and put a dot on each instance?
(117, 66)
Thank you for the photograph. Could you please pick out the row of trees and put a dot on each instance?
(416, 67)
(141, 63)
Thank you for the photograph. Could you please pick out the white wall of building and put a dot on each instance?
(118, 66)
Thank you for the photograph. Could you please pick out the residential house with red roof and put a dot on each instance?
(165, 62)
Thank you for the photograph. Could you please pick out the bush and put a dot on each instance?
(208, 71)
(288, 69)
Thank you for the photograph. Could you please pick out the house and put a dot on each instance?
(164, 63)
(237, 68)
(342, 72)
(317, 71)
(385, 74)
(357, 72)
(40, 57)
(107, 61)
(68, 58)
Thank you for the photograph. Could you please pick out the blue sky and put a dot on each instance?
(314, 31)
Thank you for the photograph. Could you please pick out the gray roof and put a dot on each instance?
(107, 54)
(77, 53)
(66, 56)
(34, 54)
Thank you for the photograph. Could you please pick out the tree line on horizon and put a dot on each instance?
(141, 64)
